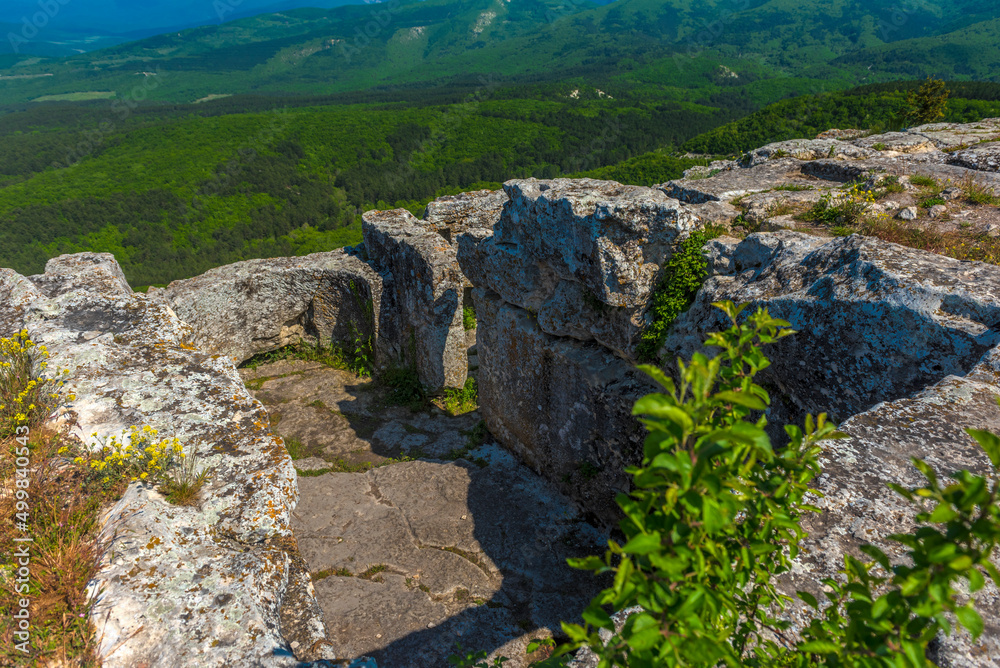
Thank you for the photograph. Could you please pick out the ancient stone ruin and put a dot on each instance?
(437, 535)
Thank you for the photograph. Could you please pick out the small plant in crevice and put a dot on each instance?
(26, 395)
(474, 438)
(847, 208)
(468, 318)
(359, 353)
(680, 279)
(978, 193)
(296, 449)
(891, 184)
(182, 484)
(588, 471)
(923, 181)
(593, 303)
(373, 573)
(404, 387)
(137, 456)
(459, 401)
(466, 659)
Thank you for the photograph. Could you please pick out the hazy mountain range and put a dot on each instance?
(66, 27)
(767, 49)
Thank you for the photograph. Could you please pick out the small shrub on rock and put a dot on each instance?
(680, 280)
(714, 517)
(26, 396)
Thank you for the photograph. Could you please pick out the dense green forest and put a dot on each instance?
(684, 50)
(877, 107)
(176, 190)
(173, 190)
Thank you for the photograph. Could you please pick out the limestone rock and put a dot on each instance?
(454, 214)
(892, 143)
(808, 149)
(182, 586)
(582, 254)
(907, 213)
(562, 406)
(875, 321)
(857, 506)
(426, 287)
(730, 184)
(843, 135)
(938, 210)
(948, 136)
(256, 306)
(983, 157)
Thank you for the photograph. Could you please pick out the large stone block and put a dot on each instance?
(876, 321)
(426, 287)
(562, 406)
(256, 306)
(582, 254)
(180, 586)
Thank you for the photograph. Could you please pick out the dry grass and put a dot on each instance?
(961, 244)
(65, 550)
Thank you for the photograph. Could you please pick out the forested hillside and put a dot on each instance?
(175, 191)
(876, 107)
(708, 51)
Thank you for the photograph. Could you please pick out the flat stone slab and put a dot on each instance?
(410, 557)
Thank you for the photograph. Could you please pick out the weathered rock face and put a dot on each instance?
(256, 306)
(858, 508)
(452, 215)
(181, 586)
(425, 288)
(561, 285)
(984, 157)
(582, 254)
(562, 406)
(876, 321)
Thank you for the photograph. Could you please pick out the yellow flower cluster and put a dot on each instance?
(26, 397)
(137, 456)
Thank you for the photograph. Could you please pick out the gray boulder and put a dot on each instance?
(454, 214)
(564, 407)
(583, 255)
(256, 306)
(180, 586)
(891, 143)
(808, 149)
(424, 290)
(875, 321)
(983, 157)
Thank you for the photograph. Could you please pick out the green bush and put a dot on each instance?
(714, 517)
(468, 318)
(680, 280)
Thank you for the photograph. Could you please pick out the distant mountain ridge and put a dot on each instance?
(65, 28)
(763, 50)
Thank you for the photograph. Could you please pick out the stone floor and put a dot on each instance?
(415, 541)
